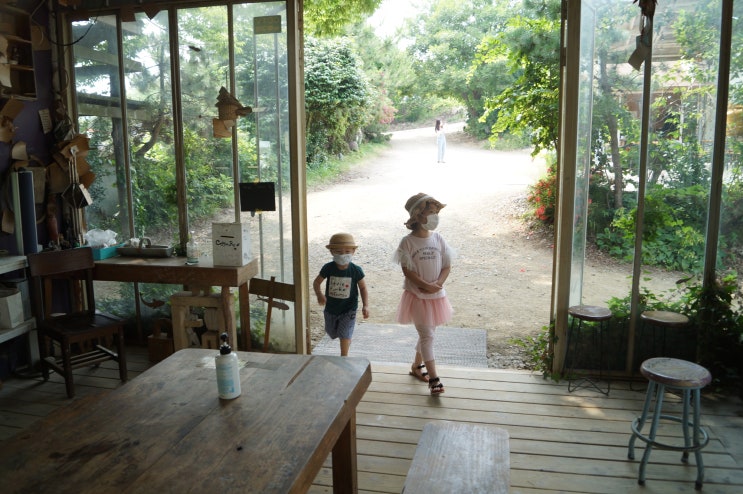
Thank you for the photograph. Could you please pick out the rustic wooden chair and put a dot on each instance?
(64, 307)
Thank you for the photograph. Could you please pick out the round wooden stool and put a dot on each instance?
(652, 321)
(689, 378)
(590, 313)
(662, 320)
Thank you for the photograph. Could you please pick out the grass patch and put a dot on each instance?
(509, 142)
(332, 169)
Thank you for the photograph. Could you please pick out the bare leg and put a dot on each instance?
(345, 345)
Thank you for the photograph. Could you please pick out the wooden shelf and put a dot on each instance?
(17, 59)
(8, 264)
(23, 328)
(12, 263)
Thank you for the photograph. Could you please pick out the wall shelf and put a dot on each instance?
(8, 264)
(16, 54)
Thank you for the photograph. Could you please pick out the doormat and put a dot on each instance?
(394, 343)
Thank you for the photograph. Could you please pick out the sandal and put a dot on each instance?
(419, 374)
(436, 389)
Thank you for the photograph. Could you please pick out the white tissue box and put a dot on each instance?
(231, 244)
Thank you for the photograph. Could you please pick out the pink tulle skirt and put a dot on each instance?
(423, 311)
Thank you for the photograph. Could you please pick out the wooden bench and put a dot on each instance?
(460, 457)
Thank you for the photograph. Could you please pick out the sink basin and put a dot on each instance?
(149, 251)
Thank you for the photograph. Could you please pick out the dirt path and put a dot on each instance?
(501, 279)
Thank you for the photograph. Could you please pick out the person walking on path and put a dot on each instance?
(345, 281)
(440, 139)
(425, 259)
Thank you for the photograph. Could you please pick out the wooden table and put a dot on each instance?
(175, 271)
(167, 431)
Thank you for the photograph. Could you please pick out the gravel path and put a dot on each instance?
(501, 278)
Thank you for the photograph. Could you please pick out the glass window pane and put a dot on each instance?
(262, 82)
(606, 166)
(680, 142)
(149, 105)
(204, 69)
(100, 118)
(730, 243)
(683, 98)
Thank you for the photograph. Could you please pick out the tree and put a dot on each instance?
(337, 97)
(531, 45)
(389, 70)
(444, 41)
(326, 18)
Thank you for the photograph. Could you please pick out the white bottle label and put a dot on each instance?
(228, 376)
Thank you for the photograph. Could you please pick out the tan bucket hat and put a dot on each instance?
(341, 240)
(417, 203)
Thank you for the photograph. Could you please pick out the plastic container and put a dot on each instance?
(228, 371)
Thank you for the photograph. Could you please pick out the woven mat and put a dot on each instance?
(396, 344)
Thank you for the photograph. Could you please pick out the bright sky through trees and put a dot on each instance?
(391, 14)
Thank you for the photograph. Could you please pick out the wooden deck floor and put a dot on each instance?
(559, 441)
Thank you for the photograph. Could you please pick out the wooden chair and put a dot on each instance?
(64, 307)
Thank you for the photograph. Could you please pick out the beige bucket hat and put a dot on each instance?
(340, 240)
(417, 203)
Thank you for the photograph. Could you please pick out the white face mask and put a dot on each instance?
(432, 221)
(342, 259)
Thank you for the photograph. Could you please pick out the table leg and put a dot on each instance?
(345, 478)
(244, 302)
(178, 315)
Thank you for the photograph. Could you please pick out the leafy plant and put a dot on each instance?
(539, 353)
(717, 316)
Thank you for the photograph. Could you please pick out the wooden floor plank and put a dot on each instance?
(559, 441)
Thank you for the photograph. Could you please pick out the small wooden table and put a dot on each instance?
(167, 431)
(175, 271)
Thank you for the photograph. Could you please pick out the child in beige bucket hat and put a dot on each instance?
(345, 282)
(425, 258)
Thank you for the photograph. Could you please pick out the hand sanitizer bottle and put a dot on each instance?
(228, 371)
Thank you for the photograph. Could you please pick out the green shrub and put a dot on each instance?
(673, 234)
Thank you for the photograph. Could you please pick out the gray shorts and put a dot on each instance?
(341, 325)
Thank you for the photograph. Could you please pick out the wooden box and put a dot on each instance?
(159, 347)
(159, 343)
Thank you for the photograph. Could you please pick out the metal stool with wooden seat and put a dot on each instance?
(661, 320)
(589, 313)
(651, 322)
(219, 316)
(680, 375)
